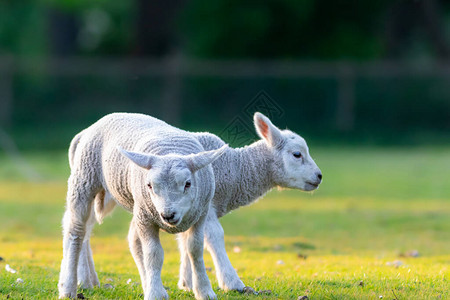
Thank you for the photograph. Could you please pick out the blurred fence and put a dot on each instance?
(317, 97)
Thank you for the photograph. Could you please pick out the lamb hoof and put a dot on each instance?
(85, 285)
(238, 285)
(95, 281)
(206, 295)
(158, 296)
(184, 285)
(89, 283)
(65, 293)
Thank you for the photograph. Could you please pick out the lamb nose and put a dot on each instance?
(319, 176)
(168, 217)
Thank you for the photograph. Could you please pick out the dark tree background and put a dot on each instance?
(411, 103)
(307, 29)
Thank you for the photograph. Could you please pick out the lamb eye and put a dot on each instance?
(297, 154)
(149, 185)
(187, 185)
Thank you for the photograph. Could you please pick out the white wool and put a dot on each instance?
(154, 154)
(241, 176)
(245, 174)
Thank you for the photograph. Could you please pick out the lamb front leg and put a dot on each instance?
(193, 241)
(149, 256)
(214, 239)
(185, 281)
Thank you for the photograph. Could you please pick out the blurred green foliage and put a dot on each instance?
(26, 27)
(284, 28)
(22, 29)
(49, 108)
(311, 29)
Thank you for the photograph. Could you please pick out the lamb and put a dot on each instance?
(164, 178)
(242, 176)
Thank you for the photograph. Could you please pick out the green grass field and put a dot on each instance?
(351, 239)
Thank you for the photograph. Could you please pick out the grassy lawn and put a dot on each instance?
(354, 238)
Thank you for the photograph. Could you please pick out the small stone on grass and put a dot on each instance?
(108, 286)
(395, 263)
(277, 247)
(264, 292)
(412, 253)
(302, 298)
(302, 256)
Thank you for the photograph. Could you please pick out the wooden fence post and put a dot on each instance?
(345, 111)
(171, 93)
(6, 91)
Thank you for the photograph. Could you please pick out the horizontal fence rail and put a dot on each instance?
(220, 68)
(173, 68)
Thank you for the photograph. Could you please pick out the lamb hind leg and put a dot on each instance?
(214, 238)
(79, 202)
(104, 205)
(87, 277)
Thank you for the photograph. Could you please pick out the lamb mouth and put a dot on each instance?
(314, 185)
(173, 223)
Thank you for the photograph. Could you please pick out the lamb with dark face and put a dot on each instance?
(164, 177)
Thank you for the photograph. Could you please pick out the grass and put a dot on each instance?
(348, 240)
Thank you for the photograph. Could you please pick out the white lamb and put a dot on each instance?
(167, 184)
(243, 175)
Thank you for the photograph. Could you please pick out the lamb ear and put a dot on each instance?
(141, 159)
(202, 159)
(266, 130)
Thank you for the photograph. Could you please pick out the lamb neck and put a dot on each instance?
(251, 166)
